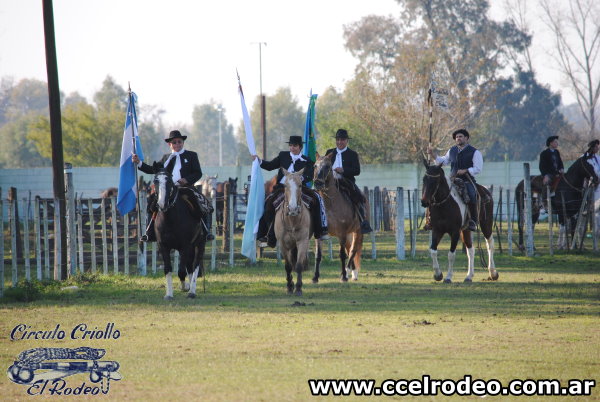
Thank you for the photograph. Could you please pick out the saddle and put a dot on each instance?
(461, 188)
(198, 204)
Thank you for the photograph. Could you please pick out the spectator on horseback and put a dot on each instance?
(346, 167)
(466, 162)
(292, 161)
(184, 166)
(551, 165)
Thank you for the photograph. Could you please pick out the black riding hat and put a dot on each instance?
(343, 134)
(460, 131)
(295, 140)
(550, 139)
(175, 134)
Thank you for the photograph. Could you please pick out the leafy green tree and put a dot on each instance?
(18, 150)
(204, 136)
(28, 95)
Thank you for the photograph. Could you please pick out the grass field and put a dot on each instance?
(246, 339)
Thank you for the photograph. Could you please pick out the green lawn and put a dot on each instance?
(246, 339)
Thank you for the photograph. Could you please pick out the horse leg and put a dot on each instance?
(184, 262)
(466, 237)
(491, 264)
(452, 256)
(193, 271)
(343, 256)
(166, 255)
(318, 256)
(435, 240)
(352, 254)
(561, 242)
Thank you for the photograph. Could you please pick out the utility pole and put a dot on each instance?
(263, 108)
(219, 108)
(60, 255)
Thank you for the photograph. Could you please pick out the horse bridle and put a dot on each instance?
(589, 175)
(172, 196)
(437, 186)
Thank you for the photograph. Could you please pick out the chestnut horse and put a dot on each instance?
(343, 220)
(448, 215)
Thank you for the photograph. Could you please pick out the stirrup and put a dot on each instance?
(210, 237)
(144, 238)
(472, 225)
(365, 227)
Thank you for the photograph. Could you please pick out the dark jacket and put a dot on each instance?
(547, 164)
(284, 160)
(350, 163)
(190, 166)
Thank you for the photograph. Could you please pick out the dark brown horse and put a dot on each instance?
(567, 200)
(539, 199)
(448, 215)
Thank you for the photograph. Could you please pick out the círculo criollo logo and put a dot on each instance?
(43, 370)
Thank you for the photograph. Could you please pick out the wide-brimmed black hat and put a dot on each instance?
(175, 134)
(295, 140)
(460, 131)
(343, 134)
(550, 139)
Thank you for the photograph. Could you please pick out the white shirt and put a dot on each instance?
(338, 162)
(477, 161)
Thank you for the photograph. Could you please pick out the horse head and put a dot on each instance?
(323, 168)
(434, 176)
(579, 171)
(163, 184)
(293, 192)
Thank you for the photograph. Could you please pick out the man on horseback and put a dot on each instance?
(292, 161)
(551, 165)
(465, 162)
(346, 167)
(185, 169)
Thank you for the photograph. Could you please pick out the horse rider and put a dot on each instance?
(592, 157)
(466, 162)
(551, 165)
(346, 166)
(292, 161)
(184, 167)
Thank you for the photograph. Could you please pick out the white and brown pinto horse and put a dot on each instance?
(448, 215)
(293, 229)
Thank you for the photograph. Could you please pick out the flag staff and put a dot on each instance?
(131, 110)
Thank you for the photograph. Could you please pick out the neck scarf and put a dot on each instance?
(291, 168)
(338, 162)
(176, 173)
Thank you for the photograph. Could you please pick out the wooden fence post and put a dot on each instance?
(400, 250)
(92, 232)
(509, 223)
(226, 217)
(71, 233)
(213, 251)
(231, 227)
(527, 211)
(38, 238)
(115, 234)
(80, 234)
(550, 217)
(104, 239)
(13, 239)
(26, 241)
(46, 240)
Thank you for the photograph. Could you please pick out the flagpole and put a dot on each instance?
(430, 103)
(137, 188)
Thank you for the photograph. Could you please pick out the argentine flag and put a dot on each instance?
(126, 198)
(256, 195)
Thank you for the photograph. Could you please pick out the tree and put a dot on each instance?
(576, 31)
(284, 117)
(528, 114)
(28, 95)
(204, 136)
(18, 150)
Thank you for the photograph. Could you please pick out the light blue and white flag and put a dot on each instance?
(127, 197)
(256, 195)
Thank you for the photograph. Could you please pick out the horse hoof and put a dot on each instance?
(468, 280)
(168, 298)
(191, 295)
(343, 279)
(298, 293)
(447, 281)
(315, 280)
(290, 291)
(494, 277)
(438, 277)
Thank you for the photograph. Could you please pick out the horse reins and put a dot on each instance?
(437, 186)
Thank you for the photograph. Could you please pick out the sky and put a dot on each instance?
(179, 53)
